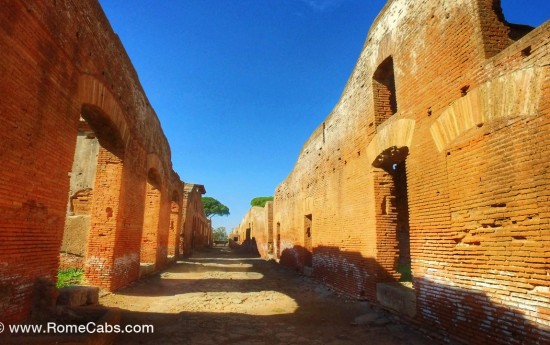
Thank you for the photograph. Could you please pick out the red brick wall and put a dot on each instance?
(150, 236)
(175, 227)
(126, 250)
(64, 60)
(36, 148)
(105, 218)
(196, 228)
(473, 113)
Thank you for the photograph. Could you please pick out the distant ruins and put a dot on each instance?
(427, 189)
(86, 168)
(197, 228)
(255, 232)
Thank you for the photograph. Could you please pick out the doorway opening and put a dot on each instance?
(399, 175)
(308, 240)
(93, 208)
(79, 208)
(278, 240)
(247, 235)
(174, 230)
(393, 229)
(270, 240)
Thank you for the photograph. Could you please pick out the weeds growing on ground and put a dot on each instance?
(69, 276)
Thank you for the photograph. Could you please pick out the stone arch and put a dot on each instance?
(95, 94)
(96, 122)
(384, 49)
(398, 133)
(154, 162)
(510, 95)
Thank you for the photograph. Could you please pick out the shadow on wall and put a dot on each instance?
(447, 312)
(249, 246)
(349, 272)
(450, 311)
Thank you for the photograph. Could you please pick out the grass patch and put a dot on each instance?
(70, 276)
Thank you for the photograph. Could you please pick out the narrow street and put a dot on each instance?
(221, 297)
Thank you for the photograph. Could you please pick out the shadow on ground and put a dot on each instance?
(222, 297)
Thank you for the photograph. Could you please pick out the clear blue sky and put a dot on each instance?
(239, 85)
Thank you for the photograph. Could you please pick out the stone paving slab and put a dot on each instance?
(219, 297)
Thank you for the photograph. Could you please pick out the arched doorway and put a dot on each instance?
(393, 230)
(93, 208)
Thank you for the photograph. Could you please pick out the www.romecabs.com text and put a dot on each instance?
(88, 328)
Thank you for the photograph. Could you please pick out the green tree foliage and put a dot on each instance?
(220, 234)
(213, 207)
(260, 201)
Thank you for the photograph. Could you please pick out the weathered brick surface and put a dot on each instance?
(175, 229)
(472, 115)
(196, 228)
(60, 61)
(258, 221)
(150, 239)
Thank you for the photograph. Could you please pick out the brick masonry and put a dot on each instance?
(197, 228)
(458, 100)
(64, 73)
(258, 224)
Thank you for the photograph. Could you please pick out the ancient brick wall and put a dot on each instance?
(433, 170)
(255, 232)
(62, 65)
(197, 228)
(176, 224)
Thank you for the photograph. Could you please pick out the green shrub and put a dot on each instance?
(70, 276)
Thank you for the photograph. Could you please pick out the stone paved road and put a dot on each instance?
(219, 297)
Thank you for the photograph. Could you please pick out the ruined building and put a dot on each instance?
(255, 232)
(427, 188)
(196, 231)
(86, 169)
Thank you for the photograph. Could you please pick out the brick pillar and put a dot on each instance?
(150, 240)
(104, 219)
(174, 234)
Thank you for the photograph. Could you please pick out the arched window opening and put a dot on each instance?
(384, 93)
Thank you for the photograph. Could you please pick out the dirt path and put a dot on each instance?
(219, 297)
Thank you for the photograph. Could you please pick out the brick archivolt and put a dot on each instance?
(510, 95)
(91, 91)
(154, 162)
(398, 133)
